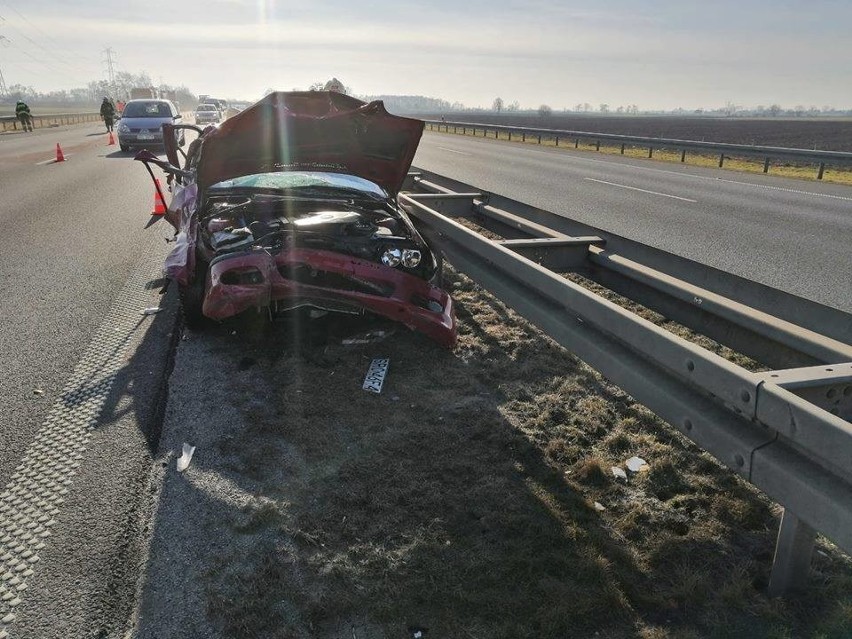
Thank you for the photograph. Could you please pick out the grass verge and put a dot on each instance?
(474, 498)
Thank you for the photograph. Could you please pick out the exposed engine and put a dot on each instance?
(376, 232)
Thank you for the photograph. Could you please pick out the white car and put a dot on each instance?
(207, 114)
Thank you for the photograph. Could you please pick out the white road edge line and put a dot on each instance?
(52, 161)
(633, 188)
(453, 151)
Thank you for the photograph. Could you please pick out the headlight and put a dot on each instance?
(123, 128)
(410, 258)
(391, 257)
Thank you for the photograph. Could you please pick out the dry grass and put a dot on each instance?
(837, 175)
(460, 500)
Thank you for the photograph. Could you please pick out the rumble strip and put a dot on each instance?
(32, 499)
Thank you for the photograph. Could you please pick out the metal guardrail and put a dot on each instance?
(785, 430)
(11, 123)
(723, 150)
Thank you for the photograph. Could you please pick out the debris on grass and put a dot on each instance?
(185, 458)
(619, 473)
(636, 465)
(599, 506)
(38, 391)
(369, 337)
(151, 310)
(376, 375)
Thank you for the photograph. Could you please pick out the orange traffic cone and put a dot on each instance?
(159, 204)
(59, 156)
(111, 140)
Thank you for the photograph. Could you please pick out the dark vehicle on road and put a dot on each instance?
(141, 123)
(293, 203)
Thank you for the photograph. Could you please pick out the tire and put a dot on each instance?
(192, 299)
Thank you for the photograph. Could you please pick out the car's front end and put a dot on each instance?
(141, 124)
(292, 203)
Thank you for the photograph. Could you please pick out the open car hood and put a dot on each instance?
(311, 130)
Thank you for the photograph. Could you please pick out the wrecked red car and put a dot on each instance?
(293, 203)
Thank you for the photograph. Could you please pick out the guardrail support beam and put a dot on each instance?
(766, 165)
(821, 170)
(650, 151)
(721, 160)
(683, 156)
(793, 552)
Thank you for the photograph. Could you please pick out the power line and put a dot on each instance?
(61, 57)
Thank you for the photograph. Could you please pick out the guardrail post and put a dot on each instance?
(539, 139)
(766, 165)
(683, 156)
(496, 133)
(721, 160)
(510, 136)
(598, 146)
(464, 130)
(577, 143)
(793, 552)
(650, 151)
(622, 148)
(821, 170)
(557, 140)
(524, 136)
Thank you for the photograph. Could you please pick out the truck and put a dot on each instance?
(137, 93)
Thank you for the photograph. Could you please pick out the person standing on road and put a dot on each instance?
(108, 113)
(24, 115)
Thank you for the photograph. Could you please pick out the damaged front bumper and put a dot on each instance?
(327, 280)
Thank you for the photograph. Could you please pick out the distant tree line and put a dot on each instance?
(94, 91)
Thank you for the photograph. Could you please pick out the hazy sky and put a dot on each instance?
(656, 54)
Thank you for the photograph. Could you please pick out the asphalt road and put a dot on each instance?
(790, 234)
(71, 234)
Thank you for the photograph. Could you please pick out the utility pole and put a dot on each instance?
(110, 63)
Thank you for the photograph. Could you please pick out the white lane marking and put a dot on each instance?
(52, 161)
(633, 188)
(453, 150)
(683, 174)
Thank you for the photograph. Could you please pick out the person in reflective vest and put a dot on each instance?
(108, 113)
(24, 115)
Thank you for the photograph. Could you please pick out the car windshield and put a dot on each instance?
(206, 107)
(147, 110)
(308, 183)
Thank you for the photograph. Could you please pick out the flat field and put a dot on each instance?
(826, 134)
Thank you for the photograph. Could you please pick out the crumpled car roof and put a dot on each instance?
(311, 130)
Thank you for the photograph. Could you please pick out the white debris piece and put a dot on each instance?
(636, 464)
(619, 472)
(185, 458)
(376, 375)
(151, 310)
(599, 507)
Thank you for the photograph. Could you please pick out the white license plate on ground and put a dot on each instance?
(376, 375)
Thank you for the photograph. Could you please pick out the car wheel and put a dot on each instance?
(192, 299)
(124, 147)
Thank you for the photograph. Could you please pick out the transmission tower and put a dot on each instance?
(4, 91)
(110, 64)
